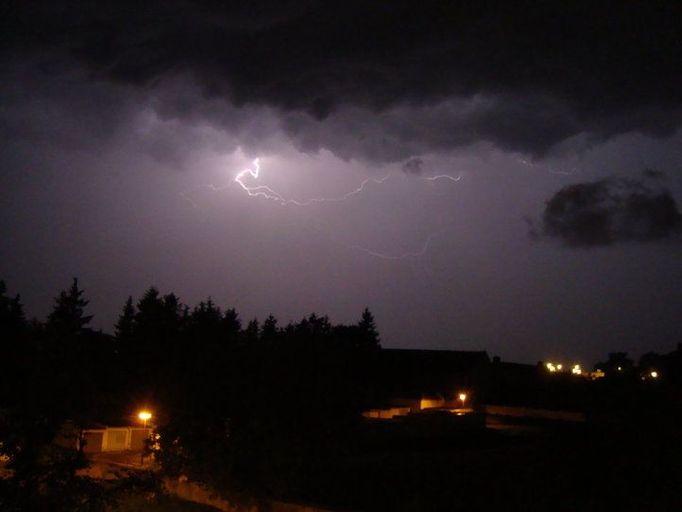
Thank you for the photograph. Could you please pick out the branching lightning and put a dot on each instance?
(266, 192)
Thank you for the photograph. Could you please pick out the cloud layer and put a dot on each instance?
(522, 75)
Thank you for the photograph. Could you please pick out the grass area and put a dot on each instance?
(565, 469)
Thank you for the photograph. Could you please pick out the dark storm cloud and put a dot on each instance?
(546, 71)
(521, 123)
(611, 211)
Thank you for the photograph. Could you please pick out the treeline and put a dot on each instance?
(234, 401)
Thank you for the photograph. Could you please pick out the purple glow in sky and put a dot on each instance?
(407, 168)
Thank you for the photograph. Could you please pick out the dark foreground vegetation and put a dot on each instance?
(262, 411)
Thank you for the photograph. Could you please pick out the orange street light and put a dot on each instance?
(144, 416)
(462, 397)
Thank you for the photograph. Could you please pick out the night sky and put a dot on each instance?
(499, 176)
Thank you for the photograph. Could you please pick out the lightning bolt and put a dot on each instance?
(563, 173)
(268, 193)
(392, 257)
(442, 176)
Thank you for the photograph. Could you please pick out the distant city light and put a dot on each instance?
(654, 374)
(576, 369)
(620, 368)
(554, 367)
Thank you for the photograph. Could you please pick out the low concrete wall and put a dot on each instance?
(93, 440)
(386, 414)
(527, 412)
(138, 437)
(115, 439)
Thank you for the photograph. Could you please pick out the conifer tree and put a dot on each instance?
(125, 326)
(205, 322)
(368, 330)
(231, 325)
(252, 331)
(269, 330)
(12, 318)
(68, 317)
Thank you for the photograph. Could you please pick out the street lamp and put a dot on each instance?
(144, 417)
(462, 397)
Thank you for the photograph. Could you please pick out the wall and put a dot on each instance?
(527, 412)
(113, 439)
(93, 440)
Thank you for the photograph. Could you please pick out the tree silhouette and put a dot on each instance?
(125, 326)
(176, 358)
(252, 331)
(269, 330)
(158, 319)
(12, 318)
(172, 318)
(368, 330)
(319, 325)
(618, 364)
(205, 323)
(149, 311)
(68, 316)
(232, 326)
(15, 352)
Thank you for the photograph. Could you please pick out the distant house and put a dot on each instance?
(102, 438)
(113, 439)
(414, 380)
(514, 383)
(519, 392)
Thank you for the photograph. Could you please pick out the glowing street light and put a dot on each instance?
(654, 374)
(144, 416)
(576, 370)
(462, 397)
